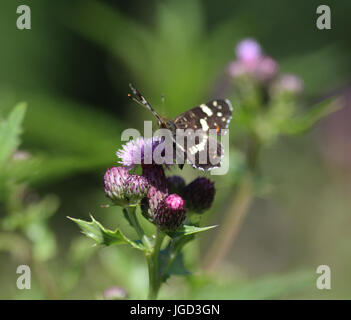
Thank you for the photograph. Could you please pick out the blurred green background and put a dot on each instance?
(73, 68)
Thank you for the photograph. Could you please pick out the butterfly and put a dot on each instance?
(199, 149)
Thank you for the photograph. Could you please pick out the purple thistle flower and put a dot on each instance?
(288, 83)
(248, 50)
(158, 189)
(266, 69)
(122, 188)
(170, 213)
(251, 62)
(176, 184)
(114, 180)
(199, 194)
(136, 188)
(239, 68)
(115, 293)
(134, 152)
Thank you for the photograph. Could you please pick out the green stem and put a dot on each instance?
(176, 247)
(152, 252)
(134, 221)
(152, 260)
(237, 210)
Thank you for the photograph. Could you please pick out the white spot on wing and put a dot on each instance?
(199, 147)
(204, 124)
(229, 104)
(215, 103)
(219, 114)
(206, 109)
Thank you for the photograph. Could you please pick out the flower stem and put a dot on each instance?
(237, 210)
(231, 226)
(152, 252)
(139, 230)
(153, 265)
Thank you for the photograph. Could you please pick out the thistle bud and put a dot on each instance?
(114, 181)
(176, 184)
(122, 188)
(199, 194)
(170, 213)
(136, 188)
(158, 189)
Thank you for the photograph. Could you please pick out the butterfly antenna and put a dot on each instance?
(163, 104)
(139, 98)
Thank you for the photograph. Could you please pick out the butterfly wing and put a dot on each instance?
(215, 114)
(203, 151)
(199, 149)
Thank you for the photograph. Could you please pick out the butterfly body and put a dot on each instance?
(201, 150)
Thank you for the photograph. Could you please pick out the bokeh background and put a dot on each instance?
(73, 68)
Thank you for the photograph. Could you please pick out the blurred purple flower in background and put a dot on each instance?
(251, 62)
(288, 83)
(115, 293)
(266, 69)
(248, 50)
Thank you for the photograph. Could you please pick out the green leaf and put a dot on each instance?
(64, 137)
(186, 230)
(10, 130)
(34, 213)
(306, 121)
(97, 232)
(171, 265)
(126, 216)
(15, 244)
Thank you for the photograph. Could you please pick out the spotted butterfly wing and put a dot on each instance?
(204, 152)
(199, 149)
(215, 114)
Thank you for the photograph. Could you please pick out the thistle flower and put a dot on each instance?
(176, 184)
(122, 188)
(136, 188)
(158, 189)
(251, 62)
(248, 50)
(115, 293)
(199, 194)
(114, 180)
(287, 83)
(266, 69)
(170, 213)
(135, 152)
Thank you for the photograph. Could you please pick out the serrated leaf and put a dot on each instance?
(10, 130)
(103, 236)
(186, 230)
(175, 267)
